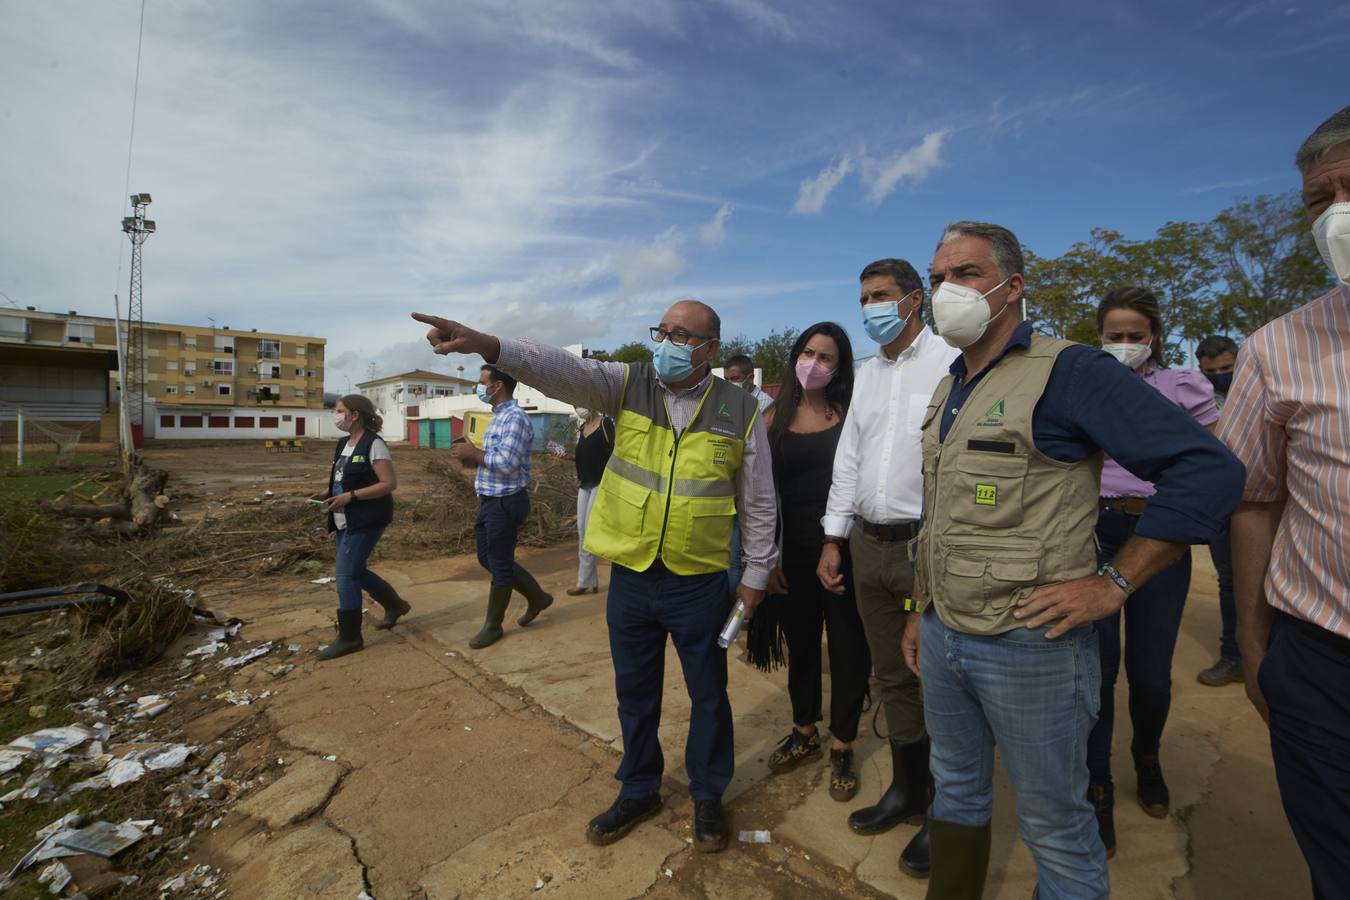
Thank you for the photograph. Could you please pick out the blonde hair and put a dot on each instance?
(361, 405)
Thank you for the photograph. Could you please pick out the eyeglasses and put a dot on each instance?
(679, 338)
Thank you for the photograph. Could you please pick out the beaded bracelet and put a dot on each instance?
(1121, 581)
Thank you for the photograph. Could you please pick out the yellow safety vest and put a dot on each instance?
(666, 497)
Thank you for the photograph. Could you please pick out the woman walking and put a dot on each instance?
(1129, 324)
(360, 506)
(595, 443)
(807, 420)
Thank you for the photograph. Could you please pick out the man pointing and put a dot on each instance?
(690, 454)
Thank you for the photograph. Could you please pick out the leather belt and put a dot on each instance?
(901, 531)
(1130, 506)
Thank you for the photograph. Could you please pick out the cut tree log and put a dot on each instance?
(143, 506)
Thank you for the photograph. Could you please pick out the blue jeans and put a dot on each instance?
(642, 609)
(1221, 551)
(1036, 700)
(494, 534)
(353, 549)
(1152, 619)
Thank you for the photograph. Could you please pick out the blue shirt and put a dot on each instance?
(505, 468)
(1093, 403)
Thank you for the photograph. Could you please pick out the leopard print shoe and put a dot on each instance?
(794, 750)
(843, 780)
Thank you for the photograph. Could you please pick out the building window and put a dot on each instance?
(79, 333)
(189, 342)
(218, 421)
(272, 371)
(166, 421)
(299, 372)
(285, 418)
(189, 421)
(299, 392)
(243, 421)
(299, 349)
(313, 392)
(223, 390)
(171, 366)
(224, 343)
(17, 327)
(190, 390)
(171, 389)
(309, 374)
(222, 367)
(268, 422)
(269, 349)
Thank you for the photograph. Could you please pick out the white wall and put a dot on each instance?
(318, 423)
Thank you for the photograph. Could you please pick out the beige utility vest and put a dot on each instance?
(1000, 517)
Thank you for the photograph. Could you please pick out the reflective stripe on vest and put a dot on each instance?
(668, 497)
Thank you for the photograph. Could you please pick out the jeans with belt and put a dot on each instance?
(1152, 620)
(1036, 700)
(494, 533)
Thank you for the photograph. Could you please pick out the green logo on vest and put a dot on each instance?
(986, 494)
(995, 411)
(723, 412)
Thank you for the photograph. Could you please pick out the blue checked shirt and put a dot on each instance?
(506, 452)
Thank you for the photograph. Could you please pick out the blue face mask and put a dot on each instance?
(882, 321)
(482, 392)
(673, 363)
(1222, 381)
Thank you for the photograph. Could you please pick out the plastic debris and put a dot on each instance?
(103, 839)
(210, 649)
(169, 756)
(327, 579)
(294, 648)
(55, 877)
(756, 837)
(11, 759)
(149, 706)
(125, 771)
(232, 662)
(53, 740)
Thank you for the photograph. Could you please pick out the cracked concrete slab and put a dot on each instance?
(302, 791)
(315, 860)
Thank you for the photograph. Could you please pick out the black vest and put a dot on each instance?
(357, 472)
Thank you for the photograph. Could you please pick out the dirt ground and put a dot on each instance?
(421, 768)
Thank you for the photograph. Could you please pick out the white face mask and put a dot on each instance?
(583, 413)
(1332, 233)
(961, 313)
(1132, 355)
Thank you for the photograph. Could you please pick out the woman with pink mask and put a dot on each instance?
(804, 427)
(360, 505)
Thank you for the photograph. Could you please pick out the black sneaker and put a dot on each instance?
(1153, 796)
(1225, 671)
(710, 826)
(1103, 800)
(794, 750)
(621, 818)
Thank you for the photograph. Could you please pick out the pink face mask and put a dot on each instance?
(811, 375)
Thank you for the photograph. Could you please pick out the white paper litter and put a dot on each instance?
(125, 771)
(11, 759)
(168, 757)
(210, 649)
(294, 648)
(236, 661)
(756, 837)
(53, 740)
(327, 579)
(55, 877)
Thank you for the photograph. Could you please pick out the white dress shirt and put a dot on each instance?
(878, 466)
(763, 399)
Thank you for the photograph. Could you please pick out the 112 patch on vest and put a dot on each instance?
(720, 450)
(986, 494)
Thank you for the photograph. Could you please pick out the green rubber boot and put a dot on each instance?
(349, 635)
(498, 599)
(960, 861)
(534, 595)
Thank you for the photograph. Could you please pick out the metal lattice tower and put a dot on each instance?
(137, 227)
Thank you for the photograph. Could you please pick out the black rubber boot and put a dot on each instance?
(533, 594)
(498, 599)
(395, 607)
(916, 860)
(1103, 800)
(960, 861)
(349, 635)
(906, 800)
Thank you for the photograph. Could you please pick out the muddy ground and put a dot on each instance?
(420, 768)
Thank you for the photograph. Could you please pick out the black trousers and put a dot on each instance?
(494, 532)
(807, 609)
(1304, 678)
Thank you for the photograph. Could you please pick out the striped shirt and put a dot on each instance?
(1288, 418)
(506, 452)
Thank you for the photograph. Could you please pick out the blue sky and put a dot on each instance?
(564, 169)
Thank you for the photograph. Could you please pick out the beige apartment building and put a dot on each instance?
(201, 382)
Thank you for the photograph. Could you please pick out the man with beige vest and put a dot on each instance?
(1006, 562)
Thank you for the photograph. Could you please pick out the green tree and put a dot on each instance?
(1267, 259)
(632, 352)
(771, 354)
(737, 345)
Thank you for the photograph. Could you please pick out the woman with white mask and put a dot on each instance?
(360, 505)
(1129, 325)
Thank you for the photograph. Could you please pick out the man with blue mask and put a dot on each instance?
(501, 481)
(1217, 356)
(690, 455)
(871, 516)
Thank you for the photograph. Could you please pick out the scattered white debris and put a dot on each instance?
(55, 877)
(103, 839)
(11, 759)
(169, 756)
(53, 740)
(327, 579)
(467, 728)
(332, 758)
(294, 648)
(668, 873)
(151, 705)
(210, 649)
(539, 884)
(236, 661)
(756, 837)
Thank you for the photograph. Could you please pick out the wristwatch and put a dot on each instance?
(832, 539)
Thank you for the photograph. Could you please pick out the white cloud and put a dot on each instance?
(714, 231)
(814, 191)
(762, 16)
(652, 265)
(914, 164)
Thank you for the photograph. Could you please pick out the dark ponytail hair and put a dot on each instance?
(365, 410)
(838, 393)
(1142, 301)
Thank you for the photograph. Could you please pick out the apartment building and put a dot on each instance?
(398, 398)
(201, 382)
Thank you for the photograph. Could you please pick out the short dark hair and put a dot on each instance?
(899, 270)
(740, 361)
(1142, 301)
(497, 374)
(1007, 249)
(1214, 346)
(1328, 136)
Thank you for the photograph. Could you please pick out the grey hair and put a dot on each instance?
(1007, 249)
(1328, 136)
